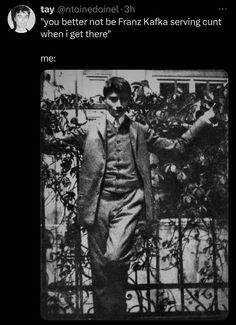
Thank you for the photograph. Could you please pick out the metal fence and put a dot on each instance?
(181, 271)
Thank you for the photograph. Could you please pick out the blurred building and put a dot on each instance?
(90, 82)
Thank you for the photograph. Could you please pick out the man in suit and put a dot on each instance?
(114, 187)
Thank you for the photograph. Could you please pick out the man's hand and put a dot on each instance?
(209, 115)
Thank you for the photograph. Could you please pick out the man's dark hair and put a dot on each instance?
(118, 85)
(16, 10)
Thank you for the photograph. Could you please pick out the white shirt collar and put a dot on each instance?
(112, 119)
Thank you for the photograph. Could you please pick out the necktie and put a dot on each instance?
(116, 123)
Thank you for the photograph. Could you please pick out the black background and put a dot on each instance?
(127, 48)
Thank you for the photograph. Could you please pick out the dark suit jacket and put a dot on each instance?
(91, 141)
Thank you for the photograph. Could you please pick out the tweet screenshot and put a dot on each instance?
(124, 110)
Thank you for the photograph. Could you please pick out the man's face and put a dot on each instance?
(21, 19)
(117, 103)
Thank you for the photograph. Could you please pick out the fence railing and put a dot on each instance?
(183, 270)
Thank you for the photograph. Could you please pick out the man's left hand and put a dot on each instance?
(209, 115)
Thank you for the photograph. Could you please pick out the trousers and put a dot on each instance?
(110, 246)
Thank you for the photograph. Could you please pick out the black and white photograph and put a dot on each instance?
(21, 19)
(134, 194)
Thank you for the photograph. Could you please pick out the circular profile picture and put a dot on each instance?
(21, 19)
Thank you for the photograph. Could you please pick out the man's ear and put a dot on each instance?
(129, 101)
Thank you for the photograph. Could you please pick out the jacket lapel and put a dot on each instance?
(101, 125)
(133, 132)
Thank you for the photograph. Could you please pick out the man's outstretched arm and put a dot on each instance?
(50, 144)
(157, 143)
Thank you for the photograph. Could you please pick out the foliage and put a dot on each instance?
(191, 189)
